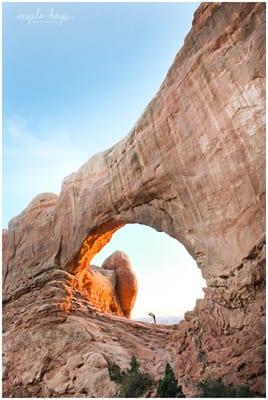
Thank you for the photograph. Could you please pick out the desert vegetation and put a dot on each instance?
(168, 386)
(134, 383)
(217, 388)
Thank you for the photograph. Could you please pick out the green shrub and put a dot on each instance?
(133, 382)
(168, 386)
(115, 372)
(134, 365)
(217, 388)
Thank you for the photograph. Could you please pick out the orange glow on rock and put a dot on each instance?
(100, 290)
(94, 243)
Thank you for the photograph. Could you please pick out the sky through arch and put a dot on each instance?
(169, 281)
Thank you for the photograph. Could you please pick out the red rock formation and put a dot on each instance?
(113, 288)
(56, 344)
(126, 282)
(194, 167)
(99, 286)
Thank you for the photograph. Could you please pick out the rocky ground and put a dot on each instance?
(59, 345)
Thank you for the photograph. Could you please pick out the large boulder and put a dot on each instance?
(126, 282)
(99, 286)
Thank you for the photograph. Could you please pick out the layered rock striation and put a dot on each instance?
(193, 166)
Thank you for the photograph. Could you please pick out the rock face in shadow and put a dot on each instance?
(193, 166)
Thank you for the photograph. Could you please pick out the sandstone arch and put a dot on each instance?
(193, 166)
(150, 177)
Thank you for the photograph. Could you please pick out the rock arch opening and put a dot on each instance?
(132, 270)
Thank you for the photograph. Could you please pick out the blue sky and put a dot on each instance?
(73, 89)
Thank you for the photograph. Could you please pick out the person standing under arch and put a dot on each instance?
(153, 316)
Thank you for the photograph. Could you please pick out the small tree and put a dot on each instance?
(217, 388)
(168, 386)
(134, 365)
(133, 383)
(115, 372)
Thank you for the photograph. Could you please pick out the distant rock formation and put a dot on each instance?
(113, 288)
(193, 166)
(126, 282)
